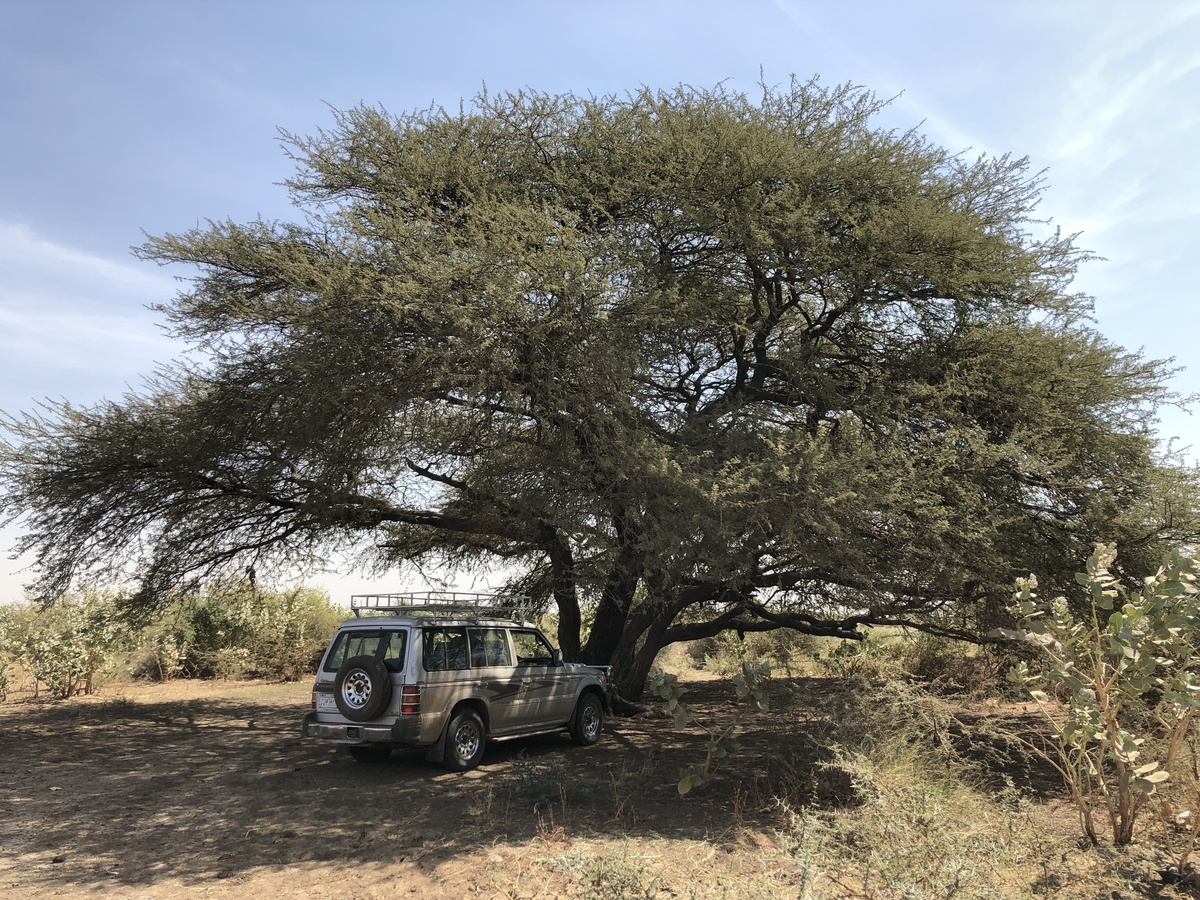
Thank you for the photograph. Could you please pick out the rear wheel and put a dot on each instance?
(588, 720)
(371, 753)
(465, 738)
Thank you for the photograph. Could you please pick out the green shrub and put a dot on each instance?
(871, 658)
(6, 615)
(723, 654)
(229, 632)
(65, 646)
(1127, 665)
(955, 666)
(161, 652)
(234, 632)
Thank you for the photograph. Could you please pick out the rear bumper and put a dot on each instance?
(405, 733)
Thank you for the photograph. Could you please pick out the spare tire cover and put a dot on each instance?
(362, 688)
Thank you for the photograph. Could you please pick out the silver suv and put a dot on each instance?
(447, 672)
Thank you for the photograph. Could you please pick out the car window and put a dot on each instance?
(445, 649)
(489, 647)
(385, 645)
(532, 649)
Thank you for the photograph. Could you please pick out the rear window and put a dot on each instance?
(445, 649)
(385, 645)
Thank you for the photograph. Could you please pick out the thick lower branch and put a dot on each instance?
(751, 617)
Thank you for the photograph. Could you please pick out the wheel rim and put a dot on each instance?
(356, 689)
(591, 721)
(466, 741)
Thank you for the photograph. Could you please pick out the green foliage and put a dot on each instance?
(1128, 668)
(931, 658)
(868, 658)
(667, 353)
(240, 632)
(67, 646)
(723, 654)
(750, 686)
(226, 632)
(950, 666)
(6, 649)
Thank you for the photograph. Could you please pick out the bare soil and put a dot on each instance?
(191, 788)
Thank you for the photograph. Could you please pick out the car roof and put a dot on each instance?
(368, 622)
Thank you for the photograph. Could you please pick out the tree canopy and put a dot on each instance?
(680, 361)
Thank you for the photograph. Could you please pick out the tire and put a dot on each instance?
(371, 753)
(588, 720)
(465, 739)
(362, 688)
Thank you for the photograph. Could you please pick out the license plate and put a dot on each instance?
(326, 703)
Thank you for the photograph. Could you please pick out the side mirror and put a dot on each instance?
(557, 657)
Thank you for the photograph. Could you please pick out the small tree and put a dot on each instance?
(1116, 657)
(66, 645)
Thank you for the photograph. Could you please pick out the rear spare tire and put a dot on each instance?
(362, 688)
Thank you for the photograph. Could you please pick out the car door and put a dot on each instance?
(447, 664)
(547, 692)
(494, 676)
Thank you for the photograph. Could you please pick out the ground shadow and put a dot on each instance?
(99, 795)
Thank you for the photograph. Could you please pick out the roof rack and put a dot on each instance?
(465, 603)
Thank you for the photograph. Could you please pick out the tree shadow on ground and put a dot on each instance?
(119, 793)
(131, 793)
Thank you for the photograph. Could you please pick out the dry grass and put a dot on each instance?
(846, 789)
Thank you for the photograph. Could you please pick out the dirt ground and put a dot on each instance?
(191, 788)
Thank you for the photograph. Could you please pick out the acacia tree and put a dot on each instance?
(683, 361)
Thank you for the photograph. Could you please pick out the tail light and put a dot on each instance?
(313, 701)
(410, 699)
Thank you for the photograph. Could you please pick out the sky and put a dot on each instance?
(124, 119)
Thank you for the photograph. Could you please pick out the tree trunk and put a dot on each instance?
(569, 624)
(613, 611)
(632, 660)
(562, 585)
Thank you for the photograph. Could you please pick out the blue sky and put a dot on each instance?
(122, 118)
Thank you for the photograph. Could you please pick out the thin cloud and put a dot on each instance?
(66, 310)
(80, 342)
(1127, 70)
(27, 260)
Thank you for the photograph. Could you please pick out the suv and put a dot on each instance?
(447, 672)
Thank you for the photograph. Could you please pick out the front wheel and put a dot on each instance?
(588, 720)
(465, 738)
